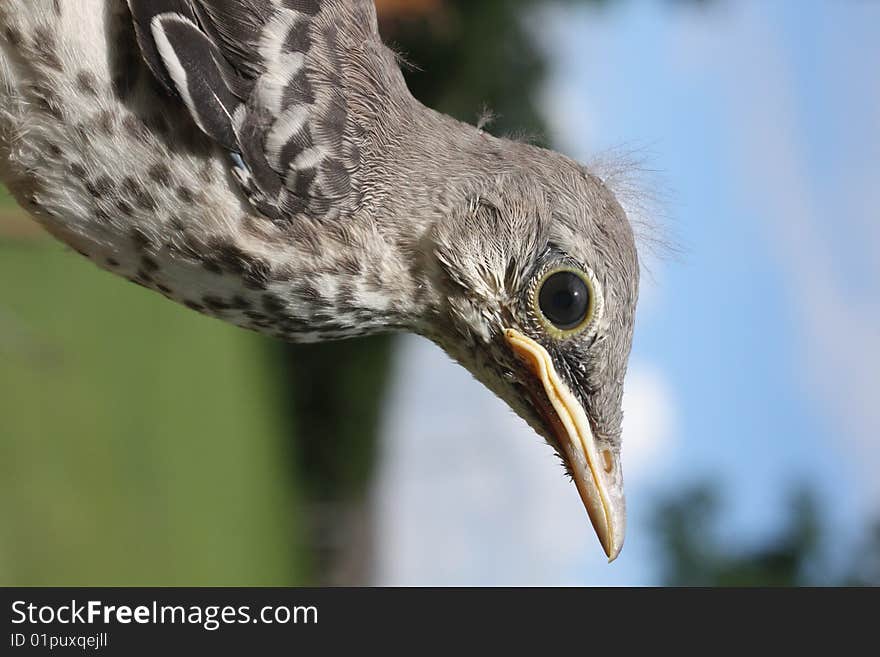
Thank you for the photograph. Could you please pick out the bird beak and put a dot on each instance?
(596, 471)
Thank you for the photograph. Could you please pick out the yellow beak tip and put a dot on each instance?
(601, 493)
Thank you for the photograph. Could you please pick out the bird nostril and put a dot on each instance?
(609, 460)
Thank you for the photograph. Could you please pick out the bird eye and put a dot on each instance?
(565, 300)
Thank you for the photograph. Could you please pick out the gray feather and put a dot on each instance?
(201, 76)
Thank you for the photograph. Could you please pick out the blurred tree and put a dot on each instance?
(693, 554)
(337, 395)
(465, 56)
(865, 568)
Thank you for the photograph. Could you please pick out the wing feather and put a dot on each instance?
(274, 82)
(143, 12)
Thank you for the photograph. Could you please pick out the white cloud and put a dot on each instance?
(649, 421)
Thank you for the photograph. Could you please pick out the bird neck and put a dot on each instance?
(424, 177)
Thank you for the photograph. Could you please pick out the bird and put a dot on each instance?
(263, 162)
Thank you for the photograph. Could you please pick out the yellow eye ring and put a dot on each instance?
(564, 300)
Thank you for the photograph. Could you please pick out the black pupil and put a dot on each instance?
(564, 300)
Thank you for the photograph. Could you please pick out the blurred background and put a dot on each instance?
(141, 443)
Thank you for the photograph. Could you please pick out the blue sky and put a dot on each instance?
(757, 349)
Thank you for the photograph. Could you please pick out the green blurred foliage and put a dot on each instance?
(338, 391)
(687, 528)
(138, 441)
(471, 56)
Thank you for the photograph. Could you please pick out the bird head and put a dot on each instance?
(540, 275)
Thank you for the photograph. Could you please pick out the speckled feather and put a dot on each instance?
(263, 162)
